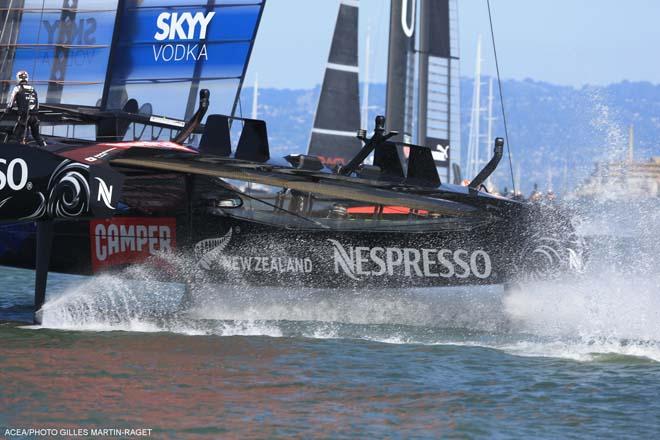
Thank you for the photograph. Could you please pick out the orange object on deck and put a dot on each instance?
(387, 210)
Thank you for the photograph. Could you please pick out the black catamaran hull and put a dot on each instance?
(244, 253)
(204, 248)
(241, 219)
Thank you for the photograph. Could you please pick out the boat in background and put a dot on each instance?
(423, 95)
(337, 120)
(620, 200)
(626, 179)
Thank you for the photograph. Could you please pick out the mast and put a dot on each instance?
(255, 96)
(365, 94)
(489, 131)
(490, 120)
(401, 41)
(474, 140)
(438, 111)
(337, 117)
(423, 69)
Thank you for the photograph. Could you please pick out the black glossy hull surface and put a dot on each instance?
(237, 252)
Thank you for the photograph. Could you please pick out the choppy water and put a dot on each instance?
(549, 360)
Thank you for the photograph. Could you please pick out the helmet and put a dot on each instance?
(22, 76)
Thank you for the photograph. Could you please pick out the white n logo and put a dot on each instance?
(408, 29)
(105, 193)
(444, 152)
(344, 260)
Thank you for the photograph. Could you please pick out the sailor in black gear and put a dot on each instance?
(24, 101)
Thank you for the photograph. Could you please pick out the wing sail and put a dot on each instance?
(63, 44)
(423, 78)
(167, 50)
(103, 53)
(439, 111)
(337, 118)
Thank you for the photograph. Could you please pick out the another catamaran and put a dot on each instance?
(337, 118)
(422, 84)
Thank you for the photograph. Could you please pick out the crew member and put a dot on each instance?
(24, 101)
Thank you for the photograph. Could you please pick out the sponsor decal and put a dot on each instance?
(14, 174)
(125, 240)
(357, 262)
(71, 31)
(210, 254)
(332, 161)
(177, 33)
(167, 121)
(105, 193)
(100, 155)
(441, 153)
(145, 144)
(408, 18)
(208, 251)
(279, 264)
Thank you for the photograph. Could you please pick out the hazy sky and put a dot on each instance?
(571, 42)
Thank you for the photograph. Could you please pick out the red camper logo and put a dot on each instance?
(125, 240)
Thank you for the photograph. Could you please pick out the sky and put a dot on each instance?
(568, 42)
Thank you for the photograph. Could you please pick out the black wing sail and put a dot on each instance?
(438, 105)
(422, 78)
(338, 113)
(400, 66)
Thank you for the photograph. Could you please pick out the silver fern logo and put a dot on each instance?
(209, 251)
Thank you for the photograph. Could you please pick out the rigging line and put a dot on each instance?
(499, 85)
(240, 112)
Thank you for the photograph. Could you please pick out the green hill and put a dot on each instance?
(552, 128)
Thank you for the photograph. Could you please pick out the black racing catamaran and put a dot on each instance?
(134, 174)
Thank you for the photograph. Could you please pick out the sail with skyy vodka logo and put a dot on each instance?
(103, 53)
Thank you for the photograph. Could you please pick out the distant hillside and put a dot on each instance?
(551, 127)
